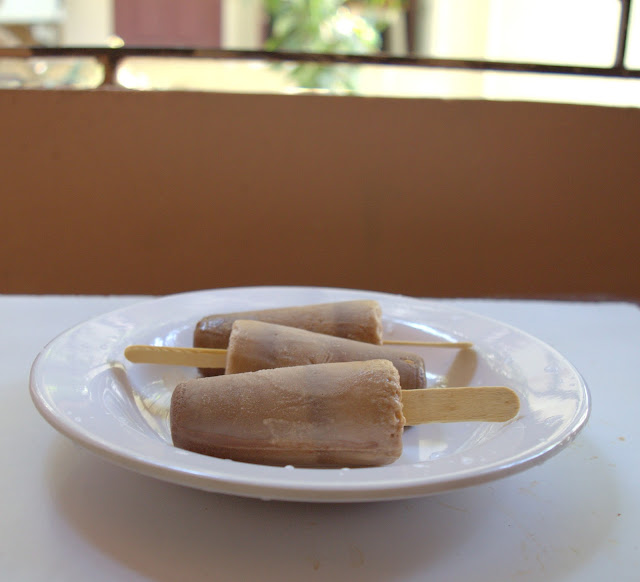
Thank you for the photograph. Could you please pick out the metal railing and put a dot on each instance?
(111, 57)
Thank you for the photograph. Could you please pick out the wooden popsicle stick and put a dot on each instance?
(172, 356)
(459, 345)
(465, 404)
(216, 357)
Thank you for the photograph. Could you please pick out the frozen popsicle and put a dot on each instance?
(256, 345)
(324, 415)
(359, 320)
(344, 414)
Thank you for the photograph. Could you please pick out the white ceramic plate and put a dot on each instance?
(84, 387)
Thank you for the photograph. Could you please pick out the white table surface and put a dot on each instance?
(69, 515)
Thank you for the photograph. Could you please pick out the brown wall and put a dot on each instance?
(127, 192)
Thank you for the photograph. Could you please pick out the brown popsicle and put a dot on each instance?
(256, 345)
(359, 320)
(345, 414)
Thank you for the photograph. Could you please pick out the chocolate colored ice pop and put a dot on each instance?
(256, 345)
(344, 414)
(359, 320)
(325, 415)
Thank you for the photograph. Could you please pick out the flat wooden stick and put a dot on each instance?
(459, 345)
(465, 404)
(172, 356)
(216, 358)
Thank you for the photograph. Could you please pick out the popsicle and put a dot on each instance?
(324, 415)
(359, 320)
(344, 414)
(256, 345)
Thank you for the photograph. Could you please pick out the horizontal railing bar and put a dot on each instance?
(114, 55)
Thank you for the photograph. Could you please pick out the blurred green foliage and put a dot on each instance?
(327, 26)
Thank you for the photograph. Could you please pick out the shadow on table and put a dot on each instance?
(166, 532)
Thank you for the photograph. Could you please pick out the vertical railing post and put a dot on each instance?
(109, 63)
(623, 30)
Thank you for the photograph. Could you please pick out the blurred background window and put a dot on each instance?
(582, 33)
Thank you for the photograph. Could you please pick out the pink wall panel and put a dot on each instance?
(168, 23)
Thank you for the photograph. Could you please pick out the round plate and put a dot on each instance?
(84, 387)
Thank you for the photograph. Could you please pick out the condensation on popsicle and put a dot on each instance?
(345, 414)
